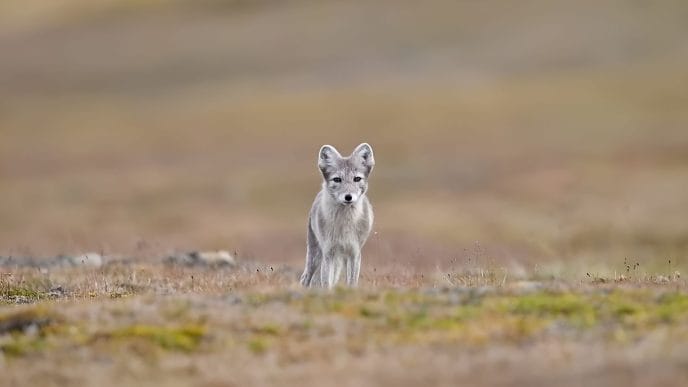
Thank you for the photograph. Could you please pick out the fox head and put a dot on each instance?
(345, 179)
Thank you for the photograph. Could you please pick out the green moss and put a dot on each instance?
(31, 290)
(268, 329)
(257, 299)
(316, 303)
(391, 298)
(672, 307)
(370, 311)
(550, 304)
(13, 293)
(468, 312)
(186, 338)
(569, 307)
(21, 345)
(419, 319)
(447, 324)
(258, 345)
(625, 309)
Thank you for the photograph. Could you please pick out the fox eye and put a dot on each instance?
(357, 179)
(337, 179)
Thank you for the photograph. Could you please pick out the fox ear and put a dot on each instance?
(327, 155)
(365, 153)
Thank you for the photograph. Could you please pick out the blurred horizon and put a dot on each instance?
(523, 135)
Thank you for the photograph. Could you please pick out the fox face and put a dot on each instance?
(345, 179)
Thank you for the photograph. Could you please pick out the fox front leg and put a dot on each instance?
(313, 259)
(353, 270)
(327, 271)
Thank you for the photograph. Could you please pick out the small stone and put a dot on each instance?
(527, 286)
(217, 258)
(220, 258)
(56, 292)
(20, 299)
(88, 259)
(31, 330)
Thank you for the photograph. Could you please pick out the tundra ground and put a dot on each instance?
(144, 324)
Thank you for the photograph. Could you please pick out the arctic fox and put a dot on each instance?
(340, 219)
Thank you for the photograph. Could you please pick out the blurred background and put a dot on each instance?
(521, 134)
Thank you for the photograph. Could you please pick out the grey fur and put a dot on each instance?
(338, 228)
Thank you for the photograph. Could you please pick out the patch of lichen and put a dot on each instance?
(12, 294)
(259, 344)
(23, 291)
(184, 338)
(672, 307)
(571, 308)
(21, 345)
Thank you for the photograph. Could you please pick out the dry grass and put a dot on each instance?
(152, 324)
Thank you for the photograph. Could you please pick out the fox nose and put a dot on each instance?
(347, 197)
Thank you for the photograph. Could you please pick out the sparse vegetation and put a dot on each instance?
(257, 323)
(184, 338)
(21, 291)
